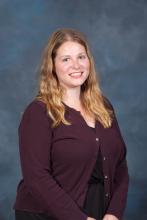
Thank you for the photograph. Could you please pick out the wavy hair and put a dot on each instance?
(50, 91)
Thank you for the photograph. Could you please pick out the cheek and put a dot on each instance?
(87, 68)
(60, 69)
(86, 65)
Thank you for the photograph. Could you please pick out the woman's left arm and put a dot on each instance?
(121, 181)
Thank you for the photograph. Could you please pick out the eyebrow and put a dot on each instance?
(69, 55)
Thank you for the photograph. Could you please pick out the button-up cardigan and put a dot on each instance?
(57, 163)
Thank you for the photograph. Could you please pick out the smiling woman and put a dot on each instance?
(72, 64)
(73, 157)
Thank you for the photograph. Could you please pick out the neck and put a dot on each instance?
(72, 97)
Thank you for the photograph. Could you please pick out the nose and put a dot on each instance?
(75, 64)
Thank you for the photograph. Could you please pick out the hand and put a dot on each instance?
(110, 217)
(89, 218)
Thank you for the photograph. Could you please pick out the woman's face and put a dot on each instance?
(71, 64)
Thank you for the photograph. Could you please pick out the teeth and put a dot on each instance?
(76, 74)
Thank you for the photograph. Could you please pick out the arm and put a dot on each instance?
(34, 142)
(121, 180)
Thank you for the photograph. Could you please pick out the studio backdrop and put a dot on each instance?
(117, 33)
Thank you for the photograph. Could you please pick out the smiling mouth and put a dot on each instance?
(76, 74)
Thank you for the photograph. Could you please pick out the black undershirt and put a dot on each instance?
(94, 201)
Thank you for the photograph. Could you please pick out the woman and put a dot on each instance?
(73, 157)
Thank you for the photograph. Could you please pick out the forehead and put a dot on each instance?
(70, 47)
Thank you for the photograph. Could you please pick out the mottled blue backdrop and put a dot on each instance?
(117, 33)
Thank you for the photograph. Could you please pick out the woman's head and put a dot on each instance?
(71, 65)
(67, 61)
(67, 42)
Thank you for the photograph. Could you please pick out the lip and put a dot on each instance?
(80, 72)
(76, 75)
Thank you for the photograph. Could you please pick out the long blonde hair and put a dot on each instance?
(50, 91)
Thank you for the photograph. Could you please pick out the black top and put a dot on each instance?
(94, 201)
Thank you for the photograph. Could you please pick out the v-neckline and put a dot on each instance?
(79, 112)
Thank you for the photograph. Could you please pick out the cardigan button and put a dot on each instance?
(106, 177)
(107, 194)
(104, 158)
(97, 139)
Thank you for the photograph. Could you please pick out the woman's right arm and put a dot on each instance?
(34, 143)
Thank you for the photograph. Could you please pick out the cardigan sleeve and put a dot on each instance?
(34, 144)
(121, 179)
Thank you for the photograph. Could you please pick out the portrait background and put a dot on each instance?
(117, 33)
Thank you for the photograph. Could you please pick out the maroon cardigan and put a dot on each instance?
(57, 163)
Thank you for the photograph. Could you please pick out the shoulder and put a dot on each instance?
(35, 106)
(35, 110)
(35, 115)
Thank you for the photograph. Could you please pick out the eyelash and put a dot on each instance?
(83, 57)
(66, 59)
